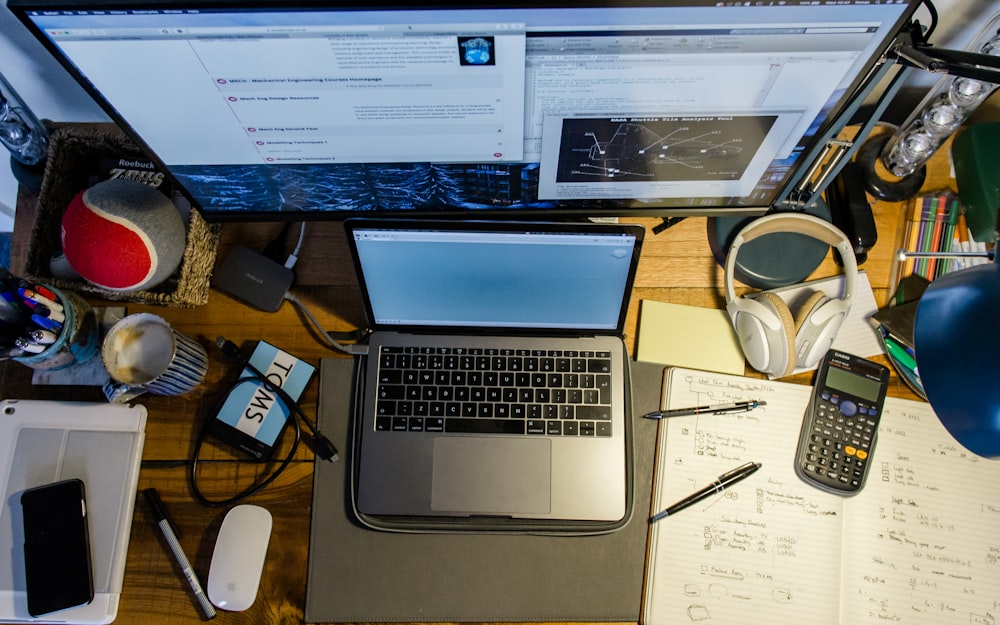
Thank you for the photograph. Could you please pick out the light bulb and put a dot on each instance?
(13, 133)
(967, 92)
(909, 151)
(20, 131)
(991, 47)
(942, 118)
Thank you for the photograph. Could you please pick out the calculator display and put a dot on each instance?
(852, 384)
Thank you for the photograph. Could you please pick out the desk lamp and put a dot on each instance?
(957, 343)
(971, 76)
(23, 135)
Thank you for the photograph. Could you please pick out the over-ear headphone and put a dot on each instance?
(772, 341)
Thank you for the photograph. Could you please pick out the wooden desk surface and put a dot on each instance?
(676, 266)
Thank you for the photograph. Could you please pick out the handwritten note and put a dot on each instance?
(918, 545)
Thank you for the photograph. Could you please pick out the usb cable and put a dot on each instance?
(321, 445)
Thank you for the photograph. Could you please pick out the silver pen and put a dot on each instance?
(163, 522)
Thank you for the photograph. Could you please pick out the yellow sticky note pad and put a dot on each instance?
(688, 336)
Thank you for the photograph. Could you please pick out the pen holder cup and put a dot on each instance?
(76, 342)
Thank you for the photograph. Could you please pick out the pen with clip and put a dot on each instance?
(725, 481)
(163, 522)
(31, 295)
(739, 406)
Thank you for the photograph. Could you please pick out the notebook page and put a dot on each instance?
(926, 528)
(766, 550)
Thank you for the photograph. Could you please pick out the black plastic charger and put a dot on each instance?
(253, 279)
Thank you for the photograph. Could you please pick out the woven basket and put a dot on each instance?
(71, 167)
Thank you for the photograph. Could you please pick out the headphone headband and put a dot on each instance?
(799, 223)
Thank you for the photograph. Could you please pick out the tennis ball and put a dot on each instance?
(123, 235)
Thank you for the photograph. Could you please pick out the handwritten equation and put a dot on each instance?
(918, 545)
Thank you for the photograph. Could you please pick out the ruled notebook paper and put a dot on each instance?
(930, 518)
(920, 543)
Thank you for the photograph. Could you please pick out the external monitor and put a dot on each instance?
(278, 109)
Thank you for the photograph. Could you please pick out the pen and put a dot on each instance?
(725, 481)
(41, 310)
(899, 353)
(740, 406)
(47, 324)
(42, 337)
(38, 298)
(163, 521)
(27, 346)
(38, 288)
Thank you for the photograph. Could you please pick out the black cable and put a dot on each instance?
(322, 446)
(257, 486)
(275, 248)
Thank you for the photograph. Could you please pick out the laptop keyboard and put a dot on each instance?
(494, 391)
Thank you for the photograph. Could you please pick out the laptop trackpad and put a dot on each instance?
(492, 475)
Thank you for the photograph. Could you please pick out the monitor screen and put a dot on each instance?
(292, 110)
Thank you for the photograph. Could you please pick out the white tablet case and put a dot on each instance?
(46, 441)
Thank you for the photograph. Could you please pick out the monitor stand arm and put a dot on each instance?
(666, 222)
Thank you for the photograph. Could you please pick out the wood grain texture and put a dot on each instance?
(156, 591)
(676, 266)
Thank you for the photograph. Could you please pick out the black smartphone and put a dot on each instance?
(840, 426)
(57, 564)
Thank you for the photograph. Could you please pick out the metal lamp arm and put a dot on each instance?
(952, 62)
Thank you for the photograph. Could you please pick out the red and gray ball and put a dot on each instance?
(123, 235)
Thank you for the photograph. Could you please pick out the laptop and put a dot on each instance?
(495, 390)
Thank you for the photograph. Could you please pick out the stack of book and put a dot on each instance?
(894, 329)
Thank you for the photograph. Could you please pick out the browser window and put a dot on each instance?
(675, 104)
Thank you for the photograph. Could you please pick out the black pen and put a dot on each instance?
(163, 521)
(725, 481)
(740, 406)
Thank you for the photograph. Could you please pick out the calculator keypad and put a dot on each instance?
(840, 441)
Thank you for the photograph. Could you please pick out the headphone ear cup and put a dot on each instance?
(812, 303)
(816, 325)
(768, 350)
(786, 347)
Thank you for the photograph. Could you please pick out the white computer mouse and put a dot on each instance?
(234, 575)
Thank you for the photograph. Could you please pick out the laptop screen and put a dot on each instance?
(523, 277)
